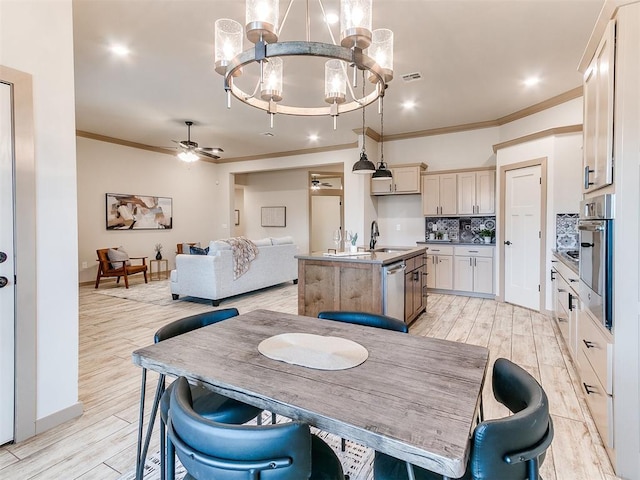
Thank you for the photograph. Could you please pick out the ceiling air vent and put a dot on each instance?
(412, 77)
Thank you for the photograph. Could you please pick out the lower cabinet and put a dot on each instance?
(566, 304)
(440, 271)
(473, 270)
(415, 300)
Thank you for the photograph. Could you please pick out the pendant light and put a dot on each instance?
(364, 165)
(382, 172)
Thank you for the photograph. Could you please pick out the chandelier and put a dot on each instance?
(262, 28)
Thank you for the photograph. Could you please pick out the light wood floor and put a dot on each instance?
(101, 443)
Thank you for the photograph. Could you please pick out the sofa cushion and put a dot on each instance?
(218, 245)
(116, 257)
(193, 250)
(187, 246)
(263, 242)
(281, 240)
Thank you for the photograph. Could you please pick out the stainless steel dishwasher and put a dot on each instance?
(393, 290)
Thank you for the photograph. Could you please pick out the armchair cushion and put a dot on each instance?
(117, 257)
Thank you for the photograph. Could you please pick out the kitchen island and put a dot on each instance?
(362, 282)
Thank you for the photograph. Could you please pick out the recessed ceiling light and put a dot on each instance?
(409, 105)
(531, 81)
(120, 50)
(313, 137)
(332, 18)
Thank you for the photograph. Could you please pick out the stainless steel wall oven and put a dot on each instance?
(595, 227)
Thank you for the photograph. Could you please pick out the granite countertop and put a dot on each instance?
(572, 263)
(455, 242)
(377, 256)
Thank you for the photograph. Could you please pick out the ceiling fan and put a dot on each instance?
(316, 184)
(192, 152)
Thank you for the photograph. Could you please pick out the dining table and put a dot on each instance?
(415, 398)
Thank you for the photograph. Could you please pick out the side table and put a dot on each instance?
(161, 271)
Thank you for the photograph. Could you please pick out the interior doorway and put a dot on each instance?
(523, 218)
(7, 285)
(326, 209)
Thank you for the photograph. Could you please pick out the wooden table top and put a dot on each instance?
(414, 398)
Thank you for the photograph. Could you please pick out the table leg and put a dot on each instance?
(411, 474)
(154, 411)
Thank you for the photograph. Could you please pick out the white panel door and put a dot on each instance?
(522, 237)
(7, 299)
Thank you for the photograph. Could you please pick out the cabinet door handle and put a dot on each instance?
(562, 319)
(573, 280)
(589, 389)
(570, 302)
(470, 262)
(473, 251)
(588, 344)
(587, 183)
(475, 262)
(561, 290)
(553, 275)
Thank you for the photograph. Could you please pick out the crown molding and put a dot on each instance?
(535, 136)
(290, 153)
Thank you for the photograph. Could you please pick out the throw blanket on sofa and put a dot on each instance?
(243, 251)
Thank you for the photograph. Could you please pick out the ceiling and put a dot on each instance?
(473, 56)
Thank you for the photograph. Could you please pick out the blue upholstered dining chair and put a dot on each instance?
(207, 403)
(510, 448)
(366, 319)
(208, 449)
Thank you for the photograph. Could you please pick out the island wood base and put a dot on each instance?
(338, 285)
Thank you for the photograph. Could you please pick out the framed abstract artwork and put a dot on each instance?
(274, 217)
(138, 212)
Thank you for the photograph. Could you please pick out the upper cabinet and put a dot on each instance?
(476, 193)
(439, 194)
(464, 193)
(598, 114)
(406, 180)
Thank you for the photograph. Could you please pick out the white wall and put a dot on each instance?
(109, 168)
(36, 38)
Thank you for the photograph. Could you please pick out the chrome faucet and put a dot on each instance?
(375, 233)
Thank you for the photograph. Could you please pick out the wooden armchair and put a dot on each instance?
(179, 246)
(105, 269)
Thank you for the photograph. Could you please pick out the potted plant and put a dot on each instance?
(353, 238)
(486, 234)
(158, 249)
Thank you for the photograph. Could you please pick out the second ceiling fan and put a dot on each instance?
(192, 152)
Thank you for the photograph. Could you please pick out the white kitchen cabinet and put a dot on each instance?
(598, 114)
(476, 192)
(473, 269)
(566, 303)
(439, 194)
(406, 180)
(440, 268)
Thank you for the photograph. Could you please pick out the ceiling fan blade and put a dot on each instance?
(206, 154)
(210, 149)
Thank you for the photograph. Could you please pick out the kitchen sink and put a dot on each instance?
(391, 250)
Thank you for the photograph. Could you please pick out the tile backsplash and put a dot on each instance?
(567, 231)
(461, 229)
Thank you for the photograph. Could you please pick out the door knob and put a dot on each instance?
(3, 257)
(3, 282)
(507, 242)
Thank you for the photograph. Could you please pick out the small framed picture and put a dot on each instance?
(237, 216)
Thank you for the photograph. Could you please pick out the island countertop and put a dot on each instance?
(383, 255)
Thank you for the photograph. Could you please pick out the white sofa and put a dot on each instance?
(211, 276)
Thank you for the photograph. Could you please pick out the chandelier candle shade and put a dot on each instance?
(263, 28)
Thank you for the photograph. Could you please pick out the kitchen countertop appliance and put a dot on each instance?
(595, 228)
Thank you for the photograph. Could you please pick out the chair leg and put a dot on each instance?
(98, 278)
(163, 451)
(171, 460)
(273, 418)
(343, 445)
(145, 276)
(126, 279)
(152, 419)
(411, 474)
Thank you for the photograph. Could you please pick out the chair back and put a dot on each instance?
(509, 448)
(105, 263)
(368, 319)
(209, 449)
(188, 324)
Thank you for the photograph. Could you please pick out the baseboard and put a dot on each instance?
(58, 418)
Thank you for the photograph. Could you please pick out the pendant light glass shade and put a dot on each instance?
(262, 18)
(188, 156)
(381, 50)
(272, 85)
(355, 23)
(228, 44)
(364, 165)
(335, 85)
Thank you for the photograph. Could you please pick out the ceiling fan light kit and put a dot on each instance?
(263, 28)
(191, 152)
